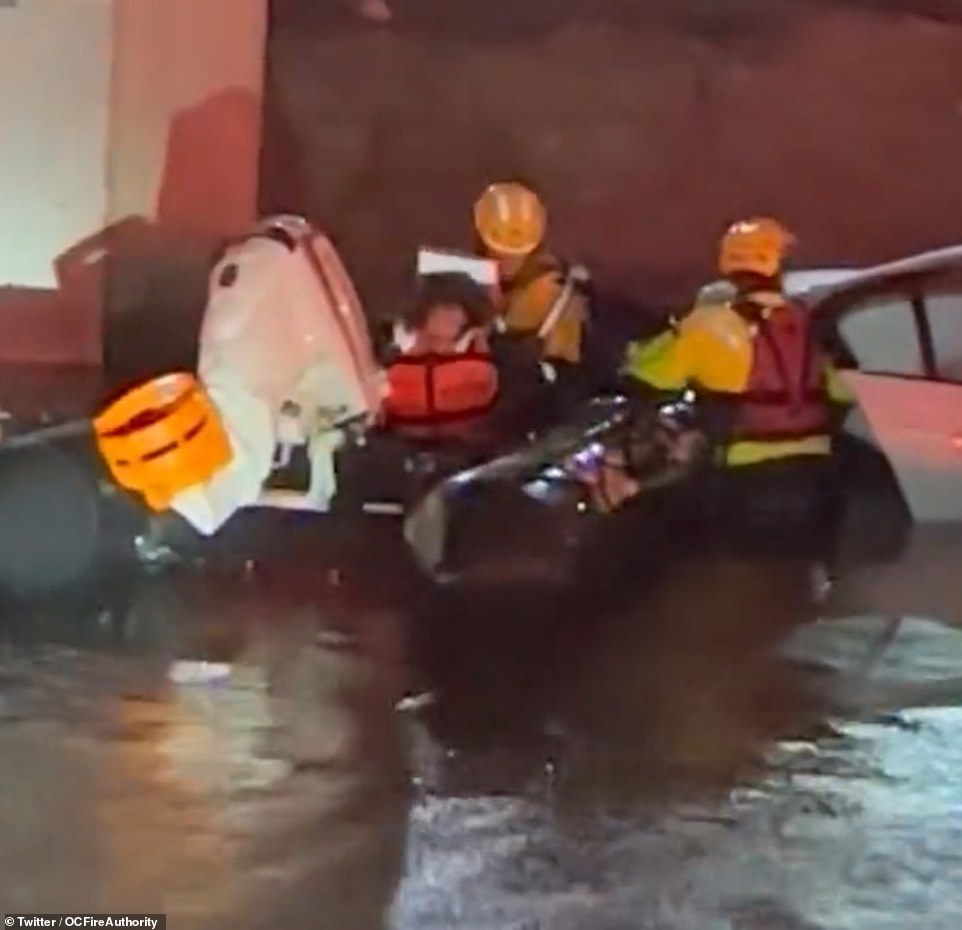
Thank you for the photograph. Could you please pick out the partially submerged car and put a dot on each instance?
(898, 328)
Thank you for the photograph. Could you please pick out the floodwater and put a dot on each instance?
(698, 762)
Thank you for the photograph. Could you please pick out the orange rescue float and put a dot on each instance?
(161, 438)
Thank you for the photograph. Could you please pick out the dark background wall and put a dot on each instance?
(647, 125)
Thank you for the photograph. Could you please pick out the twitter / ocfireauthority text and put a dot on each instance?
(148, 921)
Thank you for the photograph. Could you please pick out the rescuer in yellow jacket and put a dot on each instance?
(753, 357)
(539, 296)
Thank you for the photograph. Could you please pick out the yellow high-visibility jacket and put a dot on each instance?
(712, 348)
(541, 290)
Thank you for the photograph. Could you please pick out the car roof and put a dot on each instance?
(825, 290)
(808, 279)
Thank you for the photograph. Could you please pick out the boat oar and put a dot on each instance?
(45, 434)
(74, 429)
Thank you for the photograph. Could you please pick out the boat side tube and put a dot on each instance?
(526, 519)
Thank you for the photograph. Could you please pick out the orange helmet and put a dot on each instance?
(510, 219)
(758, 245)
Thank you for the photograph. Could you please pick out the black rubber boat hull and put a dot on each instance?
(518, 522)
(67, 529)
(61, 524)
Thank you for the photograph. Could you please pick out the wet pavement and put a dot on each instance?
(696, 761)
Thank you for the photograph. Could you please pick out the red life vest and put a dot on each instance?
(439, 395)
(786, 396)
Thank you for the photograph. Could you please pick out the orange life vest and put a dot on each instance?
(786, 395)
(434, 394)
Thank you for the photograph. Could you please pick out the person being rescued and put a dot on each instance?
(769, 385)
(540, 299)
(442, 380)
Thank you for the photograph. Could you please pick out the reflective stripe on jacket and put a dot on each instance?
(542, 292)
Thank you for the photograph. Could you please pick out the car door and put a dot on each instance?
(906, 337)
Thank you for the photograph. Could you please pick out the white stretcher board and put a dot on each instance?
(440, 261)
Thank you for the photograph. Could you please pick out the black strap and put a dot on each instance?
(276, 234)
(923, 327)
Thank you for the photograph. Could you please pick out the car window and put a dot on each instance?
(944, 311)
(881, 334)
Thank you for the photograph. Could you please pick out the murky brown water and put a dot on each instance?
(682, 767)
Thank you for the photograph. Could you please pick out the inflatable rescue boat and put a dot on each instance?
(275, 438)
(272, 452)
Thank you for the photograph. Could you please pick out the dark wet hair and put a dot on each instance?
(436, 290)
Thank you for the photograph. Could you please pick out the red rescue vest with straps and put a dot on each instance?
(430, 393)
(786, 396)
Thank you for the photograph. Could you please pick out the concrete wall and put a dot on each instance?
(648, 126)
(50, 158)
(130, 134)
(55, 74)
(185, 134)
(185, 112)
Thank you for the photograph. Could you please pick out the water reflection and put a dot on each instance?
(687, 778)
(678, 687)
(278, 793)
(662, 766)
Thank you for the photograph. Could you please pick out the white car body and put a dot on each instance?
(903, 323)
